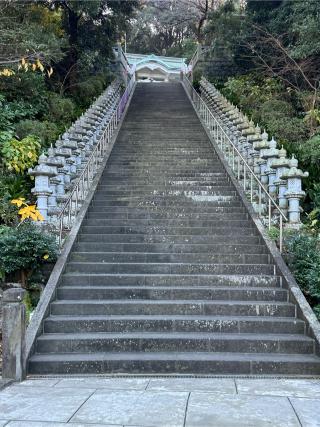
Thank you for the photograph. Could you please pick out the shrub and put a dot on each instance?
(85, 92)
(12, 187)
(309, 155)
(275, 108)
(46, 131)
(28, 87)
(25, 249)
(287, 130)
(8, 212)
(60, 109)
(11, 112)
(18, 156)
(249, 91)
(303, 258)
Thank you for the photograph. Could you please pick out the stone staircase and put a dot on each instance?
(169, 274)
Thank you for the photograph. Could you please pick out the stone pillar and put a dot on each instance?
(294, 192)
(13, 334)
(42, 172)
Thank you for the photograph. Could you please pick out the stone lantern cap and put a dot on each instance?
(272, 151)
(42, 169)
(54, 161)
(282, 161)
(294, 172)
(249, 130)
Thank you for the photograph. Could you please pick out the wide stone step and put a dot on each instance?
(171, 293)
(118, 177)
(164, 307)
(178, 323)
(167, 211)
(164, 184)
(201, 202)
(89, 279)
(174, 341)
(166, 238)
(172, 268)
(158, 190)
(221, 249)
(176, 362)
(169, 231)
(166, 216)
(167, 222)
(128, 257)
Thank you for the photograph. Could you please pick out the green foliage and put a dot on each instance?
(18, 156)
(303, 257)
(309, 158)
(276, 109)
(61, 110)
(26, 248)
(85, 92)
(287, 130)
(250, 91)
(29, 89)
(273, 233)
(46, 131)
(8, 212)
(12, 187)
(11, 112)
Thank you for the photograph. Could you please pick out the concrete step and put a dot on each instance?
(173, 341)
(170, 231)
(89, 279)
(166, 216)
(198, 202)
(168, 268)
(165, 238)
(164, 307)
(169, 211)
(177, 323)
(170, 293)
(167, 222)
(222, 249)
(175, 362)
(128, 257)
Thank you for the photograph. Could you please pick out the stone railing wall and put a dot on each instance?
(279, 175)
(57, 172)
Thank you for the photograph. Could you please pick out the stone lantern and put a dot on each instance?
(55, 163)
(270, 155)
(294, 191)
(42, 172)
(281, 166)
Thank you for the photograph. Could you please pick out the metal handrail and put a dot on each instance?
(81, 187)
(199, 104)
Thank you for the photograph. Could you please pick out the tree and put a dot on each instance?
(20, 22)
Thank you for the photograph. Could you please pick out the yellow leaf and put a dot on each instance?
(18, 202)
(46, 256)
(39, 65)
(34, 67)
(50, 72)
(23, 61)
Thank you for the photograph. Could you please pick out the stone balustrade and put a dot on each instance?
(279, 175)
(57, 172)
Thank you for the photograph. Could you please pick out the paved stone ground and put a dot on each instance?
(165, 402)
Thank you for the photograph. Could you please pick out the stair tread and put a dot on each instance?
(197, 356)
(175, 335)
(172, 302)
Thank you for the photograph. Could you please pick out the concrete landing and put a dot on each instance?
(165, 402)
